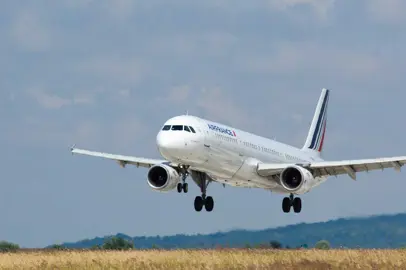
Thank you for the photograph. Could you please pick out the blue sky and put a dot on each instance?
(107, 74)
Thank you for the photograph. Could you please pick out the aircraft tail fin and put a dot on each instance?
(317, 131)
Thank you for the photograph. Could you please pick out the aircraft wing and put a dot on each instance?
(334, 168)
(123, 160)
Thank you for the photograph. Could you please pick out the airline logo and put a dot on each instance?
(222, 130)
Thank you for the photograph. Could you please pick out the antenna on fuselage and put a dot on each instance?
(187, 112)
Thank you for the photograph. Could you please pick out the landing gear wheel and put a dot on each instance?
(185, 187)
(202, 181)
(199, 203)
(179, 187)
(297, 205)
(209, 204)
(286, 204)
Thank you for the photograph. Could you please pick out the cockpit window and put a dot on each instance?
(177, 127)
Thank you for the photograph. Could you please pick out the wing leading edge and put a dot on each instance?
(335, 168)
(122, 160)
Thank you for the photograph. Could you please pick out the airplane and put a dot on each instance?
(210, 152)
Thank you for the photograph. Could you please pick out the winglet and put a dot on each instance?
(73, 147)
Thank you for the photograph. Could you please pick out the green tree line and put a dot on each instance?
(119, 243)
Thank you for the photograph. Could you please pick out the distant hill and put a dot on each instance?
(369, 232)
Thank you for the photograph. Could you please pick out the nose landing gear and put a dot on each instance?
(183, 186)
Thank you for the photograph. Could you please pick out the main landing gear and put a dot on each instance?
(289, 202)
(200, 201)
(203, 182)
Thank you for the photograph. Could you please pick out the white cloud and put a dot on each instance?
(30, 32)
(119, 9)
(219, 106)
(387, 11)
(118, 69)
(77, 3)
(214, 103)
(320, 7)
(289, 57)
(85, 99)
(119, 135)
(48, 101)
(125, 93)
(85, 132)
(210, 43)
(178, 94)
(53, 101)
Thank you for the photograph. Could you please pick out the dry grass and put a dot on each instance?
(207, 259)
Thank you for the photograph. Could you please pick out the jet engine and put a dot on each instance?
(163, 178)
(296, 179)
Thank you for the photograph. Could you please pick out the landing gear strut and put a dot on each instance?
(200, 201)
(289, 202)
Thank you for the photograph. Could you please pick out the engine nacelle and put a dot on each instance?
(296, 179)
(163, 178)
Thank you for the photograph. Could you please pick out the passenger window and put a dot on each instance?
(177, 127)
(192, 130)
(166, 127)
(186, 128)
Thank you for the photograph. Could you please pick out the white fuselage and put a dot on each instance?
(226, 154)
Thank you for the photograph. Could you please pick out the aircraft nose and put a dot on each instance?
(163, 141)
(169, 142)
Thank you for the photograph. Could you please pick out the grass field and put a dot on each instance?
(207, 259)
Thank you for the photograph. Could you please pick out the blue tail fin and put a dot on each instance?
(315, 138)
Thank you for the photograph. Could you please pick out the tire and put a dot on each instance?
(209, 204)
(185, 188)
(297, 205)
(198, 203)
(286, 204)
(179, 187)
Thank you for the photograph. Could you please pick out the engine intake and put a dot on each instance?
(293, 178)
(163, 178)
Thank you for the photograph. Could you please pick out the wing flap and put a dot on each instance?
(351, 167)
(334, 168)
(122, 160)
